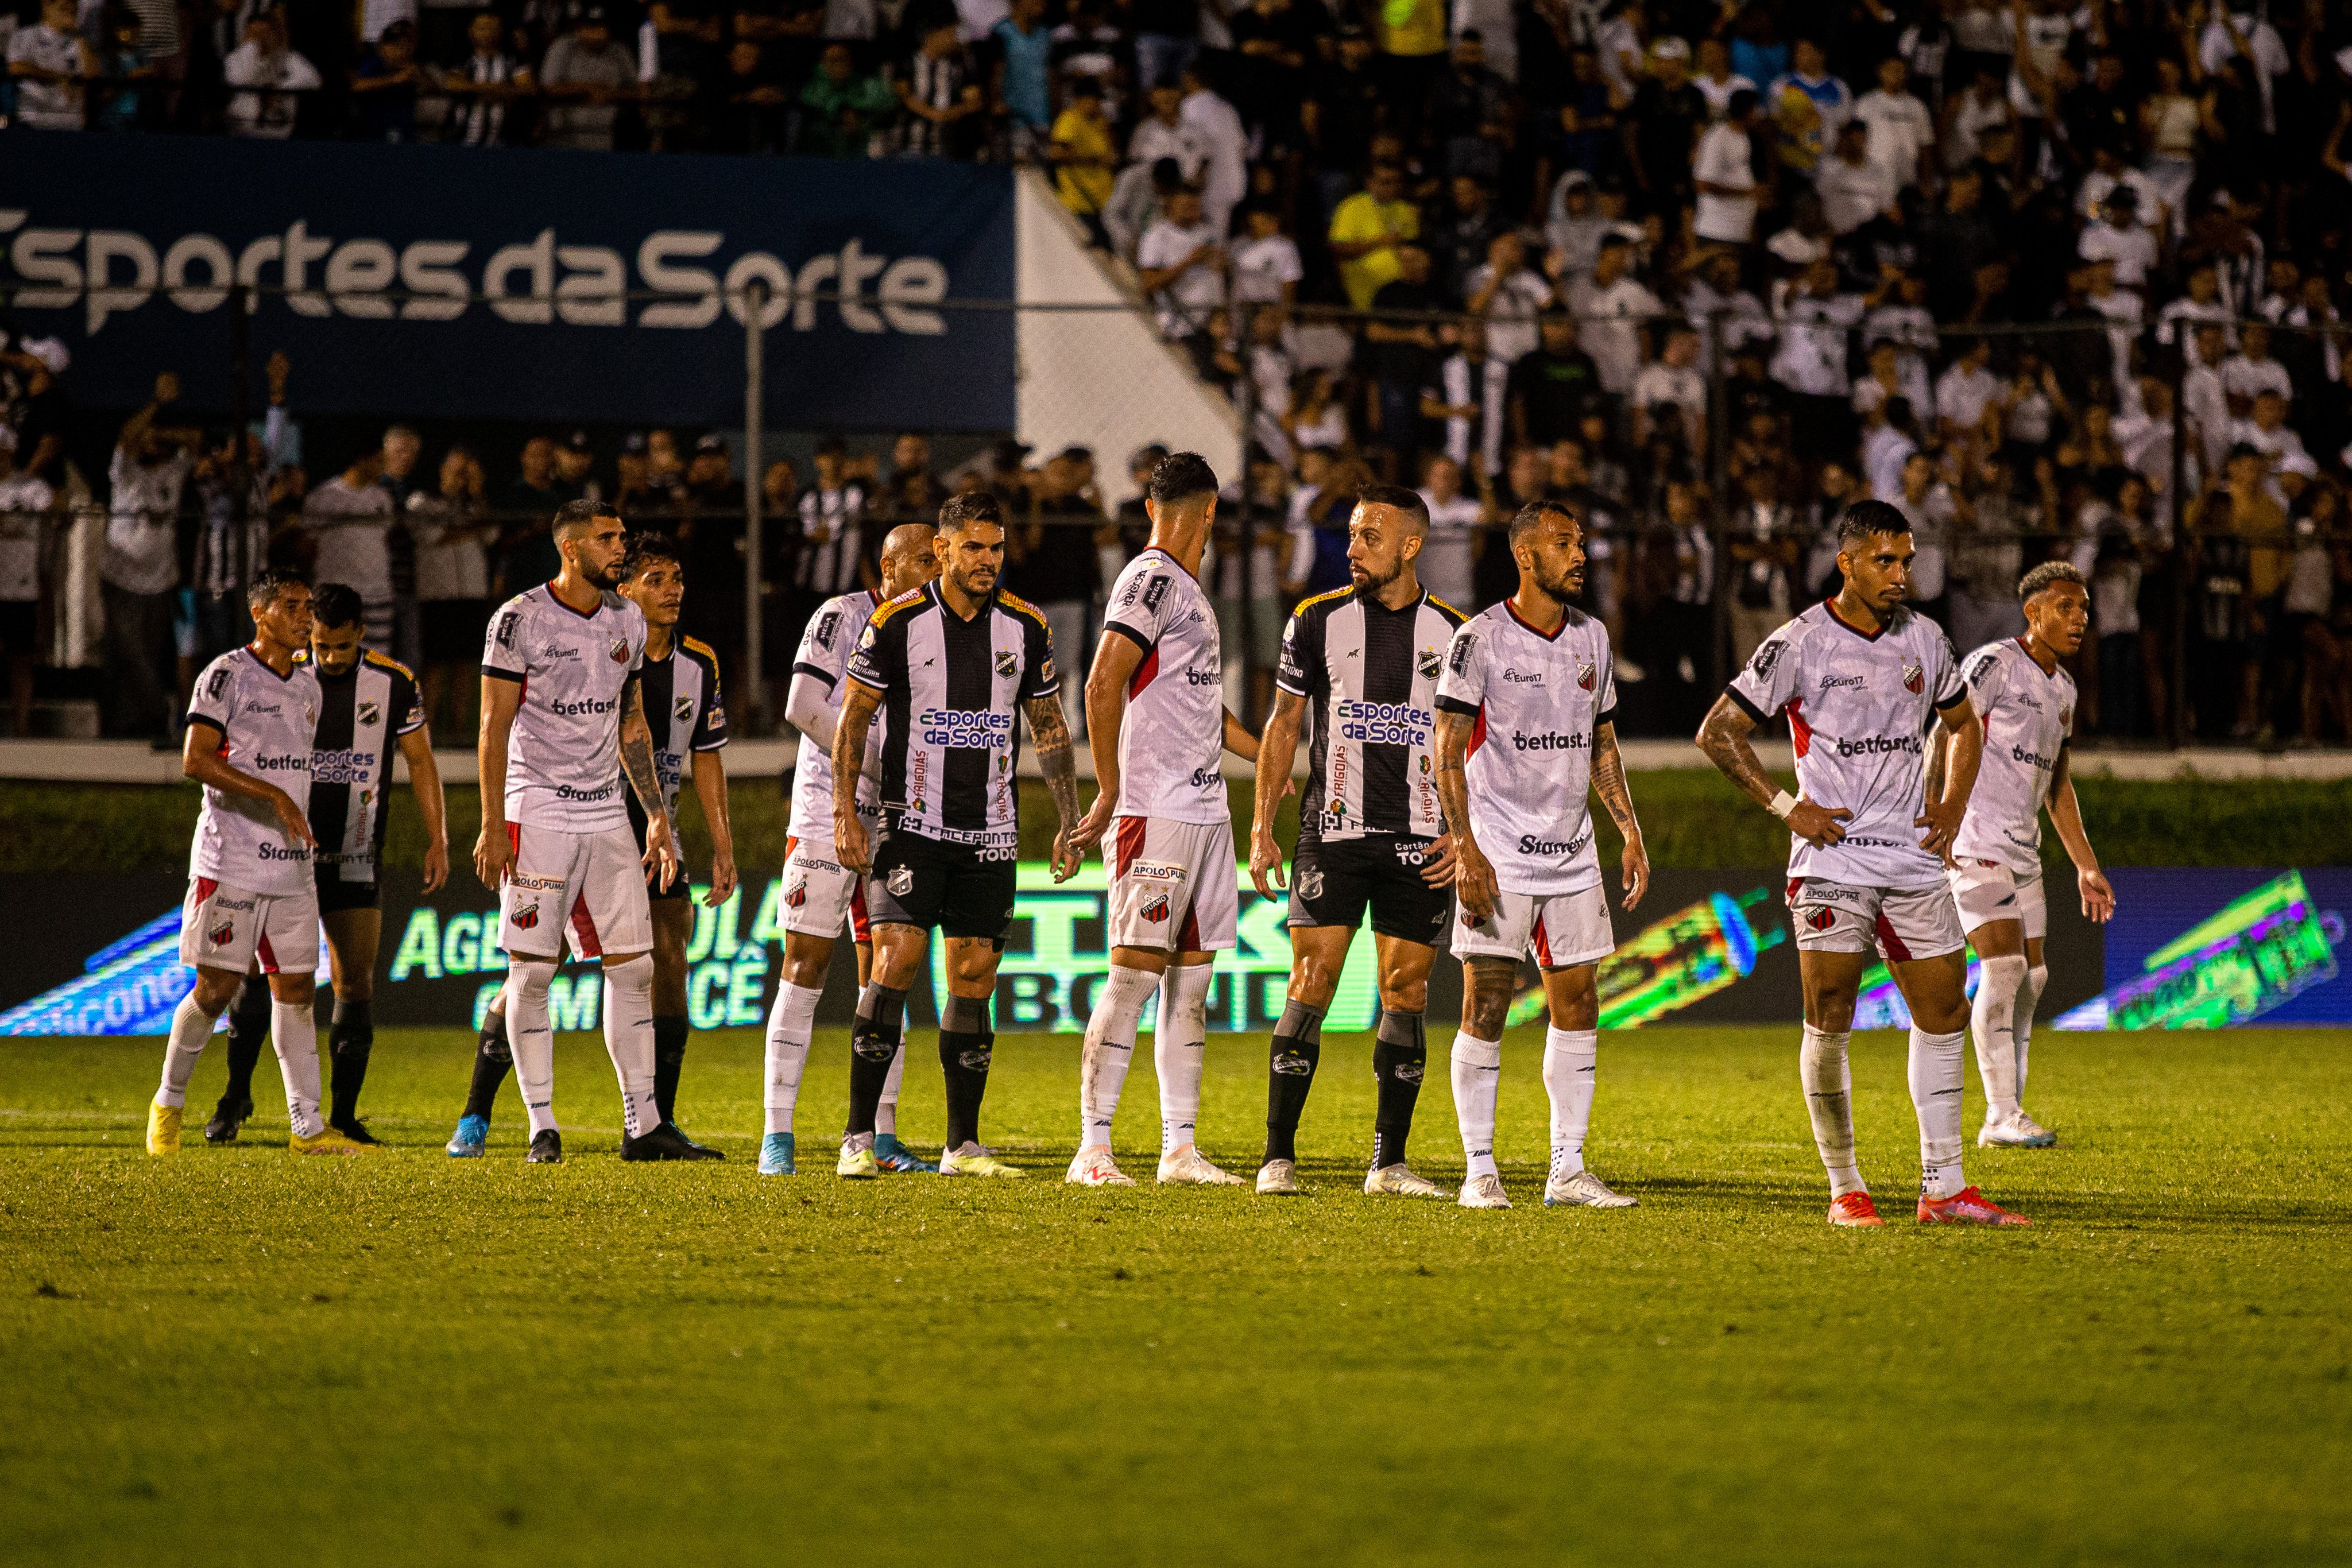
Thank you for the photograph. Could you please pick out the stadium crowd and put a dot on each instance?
(1709, 270)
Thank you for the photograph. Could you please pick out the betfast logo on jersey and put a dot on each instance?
(1383, 724)
(1880, 745)
(586, 707)
(964, 728)
(1546, 742)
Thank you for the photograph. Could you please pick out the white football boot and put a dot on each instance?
(1483, 1192)
(1398, 1181)
(1586, 1190)
(2018, 1131)
(1187, 1164)
(1094, 1167)
(1279, 1178)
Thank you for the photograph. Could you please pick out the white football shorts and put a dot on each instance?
(585, 888)
(1987, 890)
(1900, 924)
(1173, 885)
(228, 928)
(1561, 930)
(820, 891)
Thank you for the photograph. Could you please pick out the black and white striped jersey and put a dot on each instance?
(1371, 674)
(951, 691)
(685, 712)
(362, 714)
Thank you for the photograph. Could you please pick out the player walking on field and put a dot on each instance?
(564, 720)
(952, 666)
(820, 893)
(685, 717)
(251, 725)
(1157, 721)
(1858, 677)
(2026, 702)
(1370, 831)
(1526, 729)
(368, 706)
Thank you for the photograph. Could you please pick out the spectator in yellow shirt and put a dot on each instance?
(1366, 231)
(1084, 156)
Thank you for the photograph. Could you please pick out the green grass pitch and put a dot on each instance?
(237, 1353)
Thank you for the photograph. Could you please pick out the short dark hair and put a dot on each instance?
(580, 514)
(1529, 517)
(646, 547)
(961, 512)
(1865, 518)
(1180, 476)
(270, 582)
(1403, 499)
(334, 604)
(2048, 573)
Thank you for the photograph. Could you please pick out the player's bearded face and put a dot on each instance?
(600, 558)
(973, 558)
(1560, 567)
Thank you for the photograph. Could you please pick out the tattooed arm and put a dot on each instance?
(1051, 737)
(849, 732)
(1724, 739)
(1474, 880)
(637, 762)
(1609, 783)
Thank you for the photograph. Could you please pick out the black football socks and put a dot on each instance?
(1400, 1058)
(1290, 1073)
(670, 1060)
(350, 1037)
(966, 1047)
(493, 1059)
(873, 1042)
(248, 1033)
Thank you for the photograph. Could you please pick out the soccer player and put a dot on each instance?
(687, 718)
(1157, 721)
(2027, 702)
(1526, 728)
(563, 722)
(952, 664)
(251, 724)
(1370, 832)
(819, 893)
(1858, 677)
(368, 706)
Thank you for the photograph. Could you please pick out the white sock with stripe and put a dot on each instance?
(1938, 1071)
(1828, 1078)
(2029, 997)
(191, 1028)
(629, 1041)
(886, 1110)
(791, 1021)
(1180, 1051)
(1991, 1022)
(1109, 1051)
(531, 1038)
(294, 1035)
(1477, 1088)
(1570, 1063)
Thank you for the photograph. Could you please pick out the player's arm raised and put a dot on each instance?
(637, 763)
(1474, 879)
(1277, 750)
(849, 735)
(1724, 739)
(202, 760)
(2066, 816)
(501, 699)
(1609, 783)
(1051, 735)
(424, 778)
(1117, 658)
(710, 788)
(1964, 740)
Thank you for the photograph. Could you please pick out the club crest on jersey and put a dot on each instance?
(526, 917)
(310, 713)
(620, 650)
(1311, 885)
(1822, 919)
(797, 896)
(900, 881)
(219, 936)
(1429, 664)
(683, 708)
(1005, 664)
(369, 713)
(1156, 910)
(2066, 716)
(1586, 676)
(1915, 679)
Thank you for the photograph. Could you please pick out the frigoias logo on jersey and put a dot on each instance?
(1915, 679)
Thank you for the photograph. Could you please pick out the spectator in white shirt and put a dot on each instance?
(1225, 181)
(2243, 33)
(1266, 268)
(140, 567)
(1715, 80)
(2267, 431)
(350, 518)
(48, 62)
(265, 61)
(1166, 133)
(2109, 171)
(1672, 380)
(1180, 263)
(1965, 389)
(2251, 371)
(2119, 237)
(1899, 126)
(1854, 189)
(2203, 402)
(1726, 177)
(2201, 304)
(1511, 295)
(1812, 362)
(1445, 563)
(1610, 309)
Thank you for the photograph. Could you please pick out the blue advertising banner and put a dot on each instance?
(518, 284)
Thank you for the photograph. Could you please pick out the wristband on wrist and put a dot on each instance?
(1782, 804)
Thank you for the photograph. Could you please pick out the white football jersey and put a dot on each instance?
(268, 724)
(1174, 735)
(824, 648)
(563, 757)
(1537, 700)
(2028, 716)
(1859, 706)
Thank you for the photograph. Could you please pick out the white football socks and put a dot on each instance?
(886, 1109)
(1939, 1070)
(2029, 997)
(1828, 1078)
(629, 1041)
(791, 1021)
(1109, 1051)
(1998, 980)
(1570, 1063)
(531, 1039)
(191, 1027)
(1180, 1050)
(294, 1035)
(1477, 1086)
